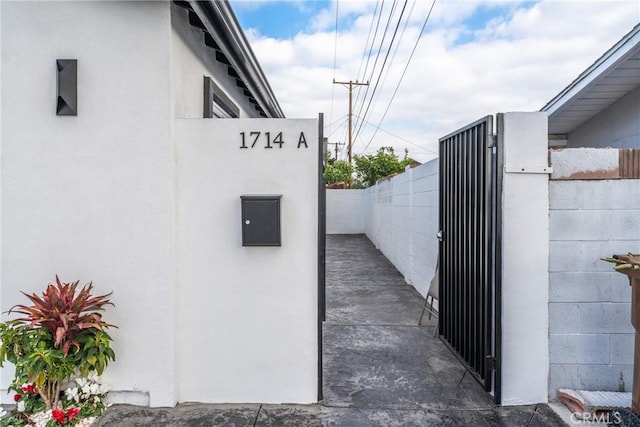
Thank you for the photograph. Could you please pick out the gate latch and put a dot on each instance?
(440, 235)
(492, 363)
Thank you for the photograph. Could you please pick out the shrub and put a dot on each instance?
(60, 334)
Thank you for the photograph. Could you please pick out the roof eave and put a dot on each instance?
(221, 23)
(608, 61)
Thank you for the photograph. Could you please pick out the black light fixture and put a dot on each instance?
(67, 100)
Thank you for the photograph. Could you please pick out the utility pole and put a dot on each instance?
(336, 144)
(351, 85)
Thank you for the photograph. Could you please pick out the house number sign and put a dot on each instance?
(268, 140)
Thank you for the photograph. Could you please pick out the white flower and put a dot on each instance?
(21, 406)
(104, 388)
(2, 412)
(72, 394)
(94, 388)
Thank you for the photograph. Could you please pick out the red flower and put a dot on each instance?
(58, 415)
(17, 397)
(72, 412)
(29, 388)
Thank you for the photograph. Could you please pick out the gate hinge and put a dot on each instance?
(493, 141)
(492, 363)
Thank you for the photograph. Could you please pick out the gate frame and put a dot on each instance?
(492, 338)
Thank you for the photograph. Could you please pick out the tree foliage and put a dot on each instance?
(337, 171)
(372, 167)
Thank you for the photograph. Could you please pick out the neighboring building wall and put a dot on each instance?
(591, 337)
(618, 126)
(64, 210)
(345, 211)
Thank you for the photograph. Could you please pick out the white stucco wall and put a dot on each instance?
(590, 335)
(345, 211)
(618, 126)
(525, 259)
(90, 197)
(247, 323)
(401, 219)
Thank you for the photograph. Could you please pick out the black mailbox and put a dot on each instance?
(261, 220)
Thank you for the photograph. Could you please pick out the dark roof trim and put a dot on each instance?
(220, 21)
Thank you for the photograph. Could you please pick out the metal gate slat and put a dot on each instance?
(468, 221)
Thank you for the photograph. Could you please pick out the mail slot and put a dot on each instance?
(260, 220)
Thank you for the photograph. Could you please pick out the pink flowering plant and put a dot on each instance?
(59, 339)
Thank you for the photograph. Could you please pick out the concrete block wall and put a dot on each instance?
(345, 211)
(399, 215)
(401, 219)
(590, 334)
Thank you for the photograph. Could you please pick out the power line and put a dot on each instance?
(344, 123)
(378, 127)
(375, 88)
(424, 25)
(364, 52)
(375, 62)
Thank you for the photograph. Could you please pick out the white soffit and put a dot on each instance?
(611, 77)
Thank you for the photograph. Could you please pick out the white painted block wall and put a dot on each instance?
(346, 211)
(401, 219)
(591, 337)
(399, 215)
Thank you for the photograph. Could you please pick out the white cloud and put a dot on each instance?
(517, 61)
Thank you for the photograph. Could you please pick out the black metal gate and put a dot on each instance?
(470, 192)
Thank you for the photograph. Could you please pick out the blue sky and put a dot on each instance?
(279, 19)
(476, 57)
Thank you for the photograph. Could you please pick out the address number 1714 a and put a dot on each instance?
(267, 140)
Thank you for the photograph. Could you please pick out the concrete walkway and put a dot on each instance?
(380, 368)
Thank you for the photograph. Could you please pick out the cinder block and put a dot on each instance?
(619, 288)
(605, 377)
(585, 163)
(599, 194)
(580, 225)
(562, 376)
(563, 318)
(564, 256)
(565, 195)
(579, 287)
(604, 318)
(579, 349)
(624, 224)
(622, 346)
